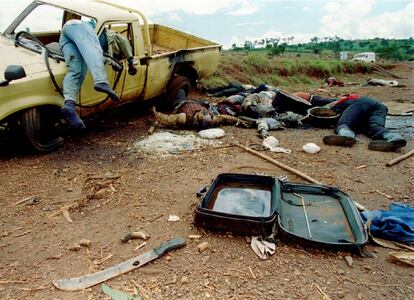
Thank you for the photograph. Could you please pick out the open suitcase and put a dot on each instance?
(315, 215)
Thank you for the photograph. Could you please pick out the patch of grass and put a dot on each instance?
(257, 67)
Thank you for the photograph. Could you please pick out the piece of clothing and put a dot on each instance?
(81, 49)
(262, 248)
(198, 116)
(115, 44)
(258, 104)
(226, 90)
(396, 224)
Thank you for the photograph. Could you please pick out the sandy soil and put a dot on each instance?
(35, 237)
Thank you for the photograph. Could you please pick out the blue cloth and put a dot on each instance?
(396, 224)
(81, 48)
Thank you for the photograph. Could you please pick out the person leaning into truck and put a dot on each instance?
(81, 49)
(358, 114)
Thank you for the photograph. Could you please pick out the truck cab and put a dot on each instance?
(167, 61)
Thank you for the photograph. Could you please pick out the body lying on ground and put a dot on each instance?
(357, 114)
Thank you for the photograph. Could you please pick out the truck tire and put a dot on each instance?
(38, 124)
(178, 89)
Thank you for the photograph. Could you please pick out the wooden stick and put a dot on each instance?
(383, 70)
(400, 158)
(31, 198)
(321, 292)
(279, 164)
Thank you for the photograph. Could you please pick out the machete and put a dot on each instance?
(86, 281)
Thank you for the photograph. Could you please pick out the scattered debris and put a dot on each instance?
(360, 167)
(22, 234)
(321, 292)
(212, 133)
(385, 243)
(262, 248)
(349, 260)
(85, 243)
(66, 214)
(194, 236)
(30, 201)
(75, 247)
(185, 280)
(311, 148)
(140, 246)
(116, 294)
(383, 70)
(203, 247)
(135, 235)
(167, 143)
(104, 260)
(272, 144)
(279, 164)
(400, 158)
(402, 257)
(383, 194)
(173, 218)
(251, 273)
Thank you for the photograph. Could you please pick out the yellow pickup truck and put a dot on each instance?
(169, 63)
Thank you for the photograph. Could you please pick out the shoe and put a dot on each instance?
(103, 87)
(389, 141)
(345, 137)
(70, 115)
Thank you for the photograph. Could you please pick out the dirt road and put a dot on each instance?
(119, 189)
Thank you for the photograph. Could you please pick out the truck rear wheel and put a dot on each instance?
(38, 124)
(178, 89)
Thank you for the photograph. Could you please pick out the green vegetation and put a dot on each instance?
(390, 49)
(287, 70)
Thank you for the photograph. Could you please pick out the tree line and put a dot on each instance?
(396, 49)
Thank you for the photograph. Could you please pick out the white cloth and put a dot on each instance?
(272, 144)
(263, 249)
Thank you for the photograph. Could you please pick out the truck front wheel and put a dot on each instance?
(178, 89)
(38, 124)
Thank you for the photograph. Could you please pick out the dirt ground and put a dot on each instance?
(119, 189)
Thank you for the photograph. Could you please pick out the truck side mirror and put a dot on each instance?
(13, 72)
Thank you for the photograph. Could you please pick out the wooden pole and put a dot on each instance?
(279, 164)
(400, 158)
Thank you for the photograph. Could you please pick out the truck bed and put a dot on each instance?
(165, 39)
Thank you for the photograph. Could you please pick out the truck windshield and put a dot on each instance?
(42, 19)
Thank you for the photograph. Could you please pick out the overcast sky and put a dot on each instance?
(234, 21)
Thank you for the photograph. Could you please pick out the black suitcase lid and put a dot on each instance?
(329, 216)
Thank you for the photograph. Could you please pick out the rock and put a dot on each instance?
(85, 243)
(340, 294)
(75, 247)
(349, 260)
(368, 268)
(203, 247)
(297, 272)
(317, 273)
(168, 258)
(184, 280)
